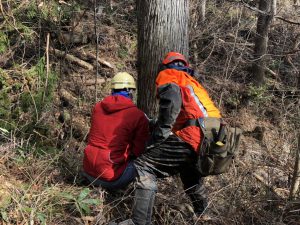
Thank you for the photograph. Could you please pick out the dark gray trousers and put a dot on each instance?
(171, 157)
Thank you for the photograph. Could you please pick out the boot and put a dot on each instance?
(197, 195)
(143, 205)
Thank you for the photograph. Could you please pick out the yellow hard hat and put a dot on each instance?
(122, 80)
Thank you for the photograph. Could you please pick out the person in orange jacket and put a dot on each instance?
(176, 140)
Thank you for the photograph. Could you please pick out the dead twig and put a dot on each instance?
(288, 21)
(296, 176)
(47, 66)
(209, 55)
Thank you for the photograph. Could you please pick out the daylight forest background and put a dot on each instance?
(57, 59)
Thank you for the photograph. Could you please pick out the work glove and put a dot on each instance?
(152, 124)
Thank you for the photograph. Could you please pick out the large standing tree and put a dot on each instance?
(162, 27)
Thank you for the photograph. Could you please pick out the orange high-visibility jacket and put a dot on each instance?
(196, 103)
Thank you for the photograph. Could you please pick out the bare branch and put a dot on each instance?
(269, 14)
(288, 21)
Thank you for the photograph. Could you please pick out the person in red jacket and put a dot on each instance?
(118, 133)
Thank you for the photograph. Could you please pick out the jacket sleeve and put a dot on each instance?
(141, 136)
(170, 103)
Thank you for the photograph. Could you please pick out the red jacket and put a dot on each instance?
(118, 130)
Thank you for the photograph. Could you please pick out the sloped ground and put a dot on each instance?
(41, 184)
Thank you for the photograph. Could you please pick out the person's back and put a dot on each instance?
(115, 124)
(118, 133)
(196, 103)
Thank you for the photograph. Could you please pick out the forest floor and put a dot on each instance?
(40, 181)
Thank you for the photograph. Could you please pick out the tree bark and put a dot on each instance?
(261, 40)
(296, 175)
(162, 27)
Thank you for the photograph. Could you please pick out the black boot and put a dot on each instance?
(143, 205)
(197, 195)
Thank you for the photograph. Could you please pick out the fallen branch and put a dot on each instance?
(235, 43)
(101, 61)
(272, 72)
(280, 192)
(73, 59)
(92, 81)
(63, 2)
(67, 97)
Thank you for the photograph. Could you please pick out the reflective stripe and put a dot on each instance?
(201, 107)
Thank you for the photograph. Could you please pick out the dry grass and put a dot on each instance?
(35, 189)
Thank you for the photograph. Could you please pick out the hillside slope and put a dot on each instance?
(47, 89)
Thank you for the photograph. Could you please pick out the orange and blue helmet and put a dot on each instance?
(174, 56)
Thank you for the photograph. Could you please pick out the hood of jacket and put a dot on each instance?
(116, 103)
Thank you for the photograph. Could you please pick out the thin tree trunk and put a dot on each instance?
(261, 41)
(162, 27)
(296, 176)
(202, 10)
(274, 7)
(199, 21)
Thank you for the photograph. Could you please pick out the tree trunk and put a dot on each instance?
(162, 27)
(261, 40)
(202, 10)
(198, 18)
(296, 175)
(274, 7)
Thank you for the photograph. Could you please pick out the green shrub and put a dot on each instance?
(4, 42)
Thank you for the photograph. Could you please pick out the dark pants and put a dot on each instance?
(126, 178)
(171, 157)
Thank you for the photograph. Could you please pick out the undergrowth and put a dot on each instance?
(35, 188)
